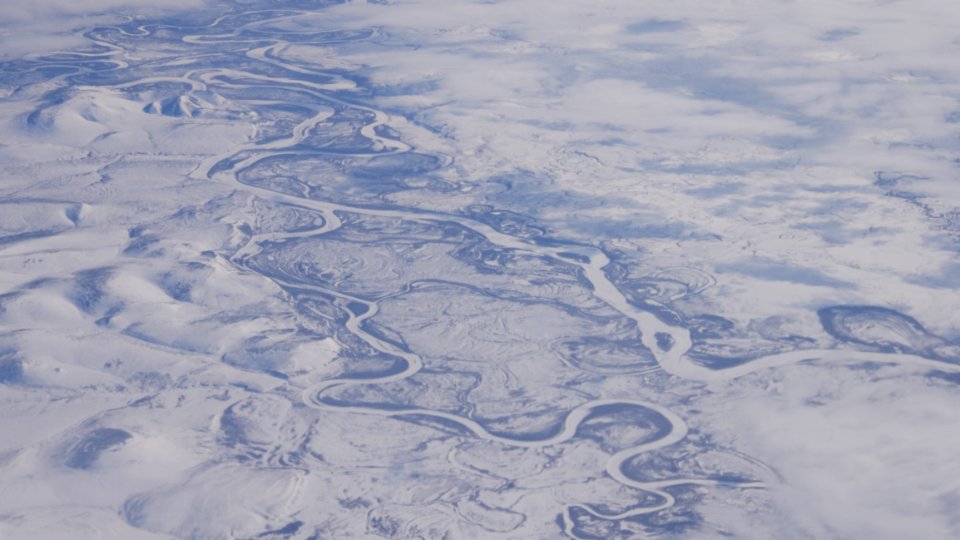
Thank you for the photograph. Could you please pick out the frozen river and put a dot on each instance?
(480, 270)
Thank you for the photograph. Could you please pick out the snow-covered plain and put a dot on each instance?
(462, 269)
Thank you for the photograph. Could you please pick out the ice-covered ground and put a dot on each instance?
(462, 269)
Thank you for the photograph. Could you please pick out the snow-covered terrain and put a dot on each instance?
(463, 269)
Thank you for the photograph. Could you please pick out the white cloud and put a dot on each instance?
(790, 100)
(861, 454)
